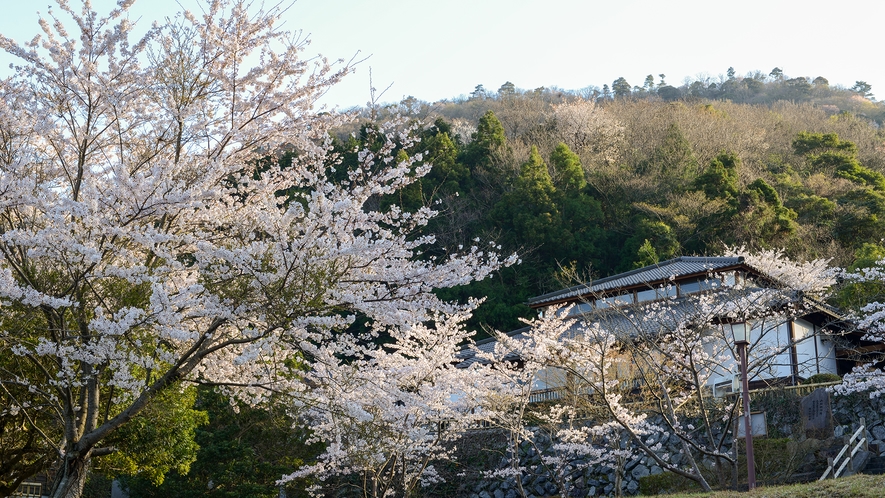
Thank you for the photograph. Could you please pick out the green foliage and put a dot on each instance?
(867, 256)
(98, 486)
(813, 209)
(673, 160)
(777, 459)
(442, 152)
(647, 255)
(508, 89)
(666, 483)
(506, 295)
(853, 295)
(489, 132)
(447, 176)
(811, 143)
(534, 183)
(850, 169)
(650, 196)
(763, 216)
(488, 138)
(159, 440)
(669, 93)
(719, 180)
(568, 168)
(653, 241)
(861, 217)
(822, 378)
(800, 87)
(621, 88)
(23, 451)
(530, 209)
(243, 451)
(765, 192)
(862, 88)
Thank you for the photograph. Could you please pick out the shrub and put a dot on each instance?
(822, 378)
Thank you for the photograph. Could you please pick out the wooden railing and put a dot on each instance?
(549, 394)
(847, 452)
(800, 390)
(28, 490)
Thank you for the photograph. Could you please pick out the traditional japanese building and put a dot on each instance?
(807, 336)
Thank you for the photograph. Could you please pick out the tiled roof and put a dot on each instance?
(649, 275)
(627, 321)
(624, 320)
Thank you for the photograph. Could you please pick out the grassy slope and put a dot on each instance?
(860, 486)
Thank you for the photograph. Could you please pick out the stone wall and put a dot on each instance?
(784, 424)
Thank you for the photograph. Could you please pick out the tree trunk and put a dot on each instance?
(71, 477)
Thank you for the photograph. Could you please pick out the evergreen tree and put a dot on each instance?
(621, 88)
(652, 241)
(862, 88)
(487, 144)
(812, 144)
(606, 93)
(567, 165)
(489, 133)
(534, 183)
(508, 89)
(719, 180)
(673, 160)
(763, 219)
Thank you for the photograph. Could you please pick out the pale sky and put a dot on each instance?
(442, 49)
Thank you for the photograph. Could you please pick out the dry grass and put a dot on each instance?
(858, 486)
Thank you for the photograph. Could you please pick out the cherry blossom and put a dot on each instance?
(144, 239)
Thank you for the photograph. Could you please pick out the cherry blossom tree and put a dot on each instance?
(516, 364)
(644, 371)
(147, 236)
(586, 128)
(869, 283)
(387, 416)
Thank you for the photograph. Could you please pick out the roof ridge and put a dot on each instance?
(589, 286)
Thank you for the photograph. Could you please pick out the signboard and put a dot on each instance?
(758, 425)
(817, 416)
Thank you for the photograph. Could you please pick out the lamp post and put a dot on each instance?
(739, 332)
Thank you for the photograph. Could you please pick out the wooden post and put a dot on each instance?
(863, 423)
(748, 425)
(832, 467)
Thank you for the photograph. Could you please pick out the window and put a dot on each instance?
(576, 309)
(646, 295)
(29, 490)
(613, 301)
(689, 287)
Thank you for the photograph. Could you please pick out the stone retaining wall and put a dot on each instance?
(784, 420)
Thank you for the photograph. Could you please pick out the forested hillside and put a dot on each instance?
(587, 184)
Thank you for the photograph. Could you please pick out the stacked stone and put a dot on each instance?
(601, 480)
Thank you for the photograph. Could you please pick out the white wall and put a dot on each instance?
(766, 339)
(549, 378)
(816, 353)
